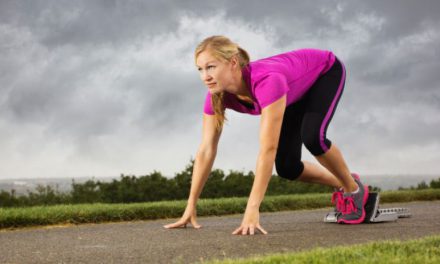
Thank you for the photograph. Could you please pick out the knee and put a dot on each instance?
(312, 143)
(316, 143)
(289, 170)
(313, 134)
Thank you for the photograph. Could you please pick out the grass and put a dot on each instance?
(423, 250)
(98, 212)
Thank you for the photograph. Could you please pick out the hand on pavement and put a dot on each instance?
(250, 222)
(189, 215)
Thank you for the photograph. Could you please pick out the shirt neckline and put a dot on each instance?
(246, 73)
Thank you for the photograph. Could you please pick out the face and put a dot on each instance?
(215, 74)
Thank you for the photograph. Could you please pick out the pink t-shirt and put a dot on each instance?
(291, 73)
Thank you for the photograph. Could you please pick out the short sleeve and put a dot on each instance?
(271, 88)
(207, 109)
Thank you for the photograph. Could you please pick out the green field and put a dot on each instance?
(424, 250)
(96, 213)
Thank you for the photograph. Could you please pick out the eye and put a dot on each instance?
(210, 66)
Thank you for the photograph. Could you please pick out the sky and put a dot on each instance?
(103, 88)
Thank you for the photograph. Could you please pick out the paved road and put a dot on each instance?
(149, 242)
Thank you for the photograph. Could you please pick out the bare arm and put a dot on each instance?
(202, 167)
(205, 158)
(270, 128)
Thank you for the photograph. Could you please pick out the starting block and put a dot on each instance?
(373, 213)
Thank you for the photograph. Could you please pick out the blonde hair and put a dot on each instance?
(222, 48)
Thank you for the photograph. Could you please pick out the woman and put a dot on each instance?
(296, 94)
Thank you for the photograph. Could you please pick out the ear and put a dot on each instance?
(234, 62)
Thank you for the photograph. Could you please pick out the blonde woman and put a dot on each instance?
(296, 94)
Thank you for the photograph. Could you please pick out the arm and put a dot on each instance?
(270, 128)
(205, 157)
(202, 166)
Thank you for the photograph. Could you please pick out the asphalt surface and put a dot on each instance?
(150, 242)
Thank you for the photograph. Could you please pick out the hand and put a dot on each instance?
(188, 216)
(250, 221)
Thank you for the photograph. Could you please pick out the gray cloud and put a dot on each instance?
(78, 23)
(88, 82)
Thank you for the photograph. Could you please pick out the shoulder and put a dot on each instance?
(270, 88)
(270, 77)
(207, 107)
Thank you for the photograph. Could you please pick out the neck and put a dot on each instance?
(242, 89)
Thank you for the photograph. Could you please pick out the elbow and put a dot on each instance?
(207, 151)
(268, 150)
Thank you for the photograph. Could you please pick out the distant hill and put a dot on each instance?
(61, 184)
(393, 182)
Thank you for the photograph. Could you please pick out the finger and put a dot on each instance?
(176, 224)
(236, 231)
(195, 225)
(169, 226)
(262, 230)
(251, 230)
(244, 231)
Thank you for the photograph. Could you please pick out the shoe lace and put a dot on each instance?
(349, 205)
(338, 199)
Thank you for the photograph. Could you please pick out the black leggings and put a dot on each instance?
(306, 121)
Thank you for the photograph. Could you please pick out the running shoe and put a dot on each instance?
(338, 196)
(338, 199)
(354, 211)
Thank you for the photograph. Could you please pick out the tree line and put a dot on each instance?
(156, 187)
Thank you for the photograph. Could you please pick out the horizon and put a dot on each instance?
(21, 185)
(140, 175)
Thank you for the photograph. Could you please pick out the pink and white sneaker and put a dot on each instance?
(338, 196)
(354, 205)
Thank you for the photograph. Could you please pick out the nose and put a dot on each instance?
(205, 76)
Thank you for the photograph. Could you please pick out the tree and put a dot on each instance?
(435, 184)
(214, 186)
(88, 192)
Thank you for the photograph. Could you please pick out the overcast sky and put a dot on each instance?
(100, 88)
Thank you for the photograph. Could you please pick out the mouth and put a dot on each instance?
(211, 84)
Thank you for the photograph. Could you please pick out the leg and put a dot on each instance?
(313, 173)
(288, 158)
(335, 163)
(322, 100)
